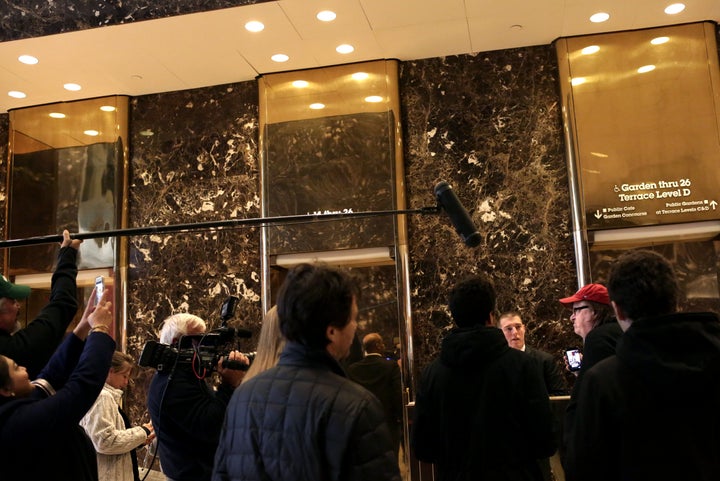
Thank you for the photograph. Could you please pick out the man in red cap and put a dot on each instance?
(594, 321)
(32, 346)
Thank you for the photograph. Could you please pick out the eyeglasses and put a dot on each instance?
(578, 309)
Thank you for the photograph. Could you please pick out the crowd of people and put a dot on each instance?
(642, 405)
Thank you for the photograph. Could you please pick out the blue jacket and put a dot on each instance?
(303, 420)
(40, 436)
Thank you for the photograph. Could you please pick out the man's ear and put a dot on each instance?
(6, 392)
(491, 320)
(621, 316)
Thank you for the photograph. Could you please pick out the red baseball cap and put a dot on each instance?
(590, 292)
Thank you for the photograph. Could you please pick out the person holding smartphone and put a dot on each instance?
(594, 321)
(33, 345)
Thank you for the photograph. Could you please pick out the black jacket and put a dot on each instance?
(32, 346)
(187, 416)
(482, 411)
(554, 381)
(381, 377)
(651, 411)
(40, 436)
(302, 420)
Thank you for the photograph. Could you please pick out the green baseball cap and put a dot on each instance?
(13, 291)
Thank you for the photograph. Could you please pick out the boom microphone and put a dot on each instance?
(458, 215)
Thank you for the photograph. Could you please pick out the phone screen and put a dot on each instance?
(99, 288)
(573, 359)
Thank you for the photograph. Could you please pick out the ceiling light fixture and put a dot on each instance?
(56, 115)
(590, 49)
(373, 99)
(660, 40)
(91, 133)
(317, 106)
(326, 16)
(674, 8)
(107, 108)
(646, 68)
(28, 59)
(72, 87)
(360, 76)
(599, 17)
(300, 84)
(254, 26)
(578, 81)
(280, 57)
(345, 48)
(16, 94)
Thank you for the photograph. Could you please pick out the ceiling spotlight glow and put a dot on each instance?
(599, 17)
(674, 8)
(28, 59)
(56, 115)
(300, 84)
(16, 94)
(591, 49)
(373, 99)
(326, 16)
(344, 48)
(360, 76)
(317, 106)
(91, 133)
(578, 81)
(280, 57)
(107, 108)
(646, 68)
(254, 26)
(72, 87)
(660, 40)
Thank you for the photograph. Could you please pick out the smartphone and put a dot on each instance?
(99, 288)
(573, 359)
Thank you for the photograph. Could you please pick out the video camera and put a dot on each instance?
(201, 351)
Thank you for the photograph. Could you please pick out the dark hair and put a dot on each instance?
(643, 284)
(312, 298)
(604, 313)
(472, 300)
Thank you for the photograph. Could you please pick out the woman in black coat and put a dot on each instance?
(40, 437)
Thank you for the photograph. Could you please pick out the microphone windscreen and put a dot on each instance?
(458, 215)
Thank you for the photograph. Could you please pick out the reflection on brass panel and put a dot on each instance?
(642, 114)
(67, 172)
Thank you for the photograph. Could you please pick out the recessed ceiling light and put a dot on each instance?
(107, 108)
(56, 115)
(646, 68)
(659, 40)
(147, 133)
(254, 26)
(517, 26)
(28, 59)
(599, 17)
(578, 81)
(317, 106)
(326, 16)
(91, 133)
(280, 57)
(300, 84)
(373, 99)
(345, 48)
(17, 94)
(72, 87)
(360, 76)
(590, 49)
(674, 8)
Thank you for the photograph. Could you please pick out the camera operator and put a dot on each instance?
(186, 412)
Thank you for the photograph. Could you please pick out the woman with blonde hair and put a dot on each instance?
(270, 345)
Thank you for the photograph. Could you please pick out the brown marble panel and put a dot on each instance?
(193, 159)
(490, 125)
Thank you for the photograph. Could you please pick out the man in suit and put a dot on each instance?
(512, 326)
(381, 377)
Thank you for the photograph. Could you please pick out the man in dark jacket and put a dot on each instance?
(32, 346)
(482, 411)
(381, 377)
(303, 420)
(651, 410)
